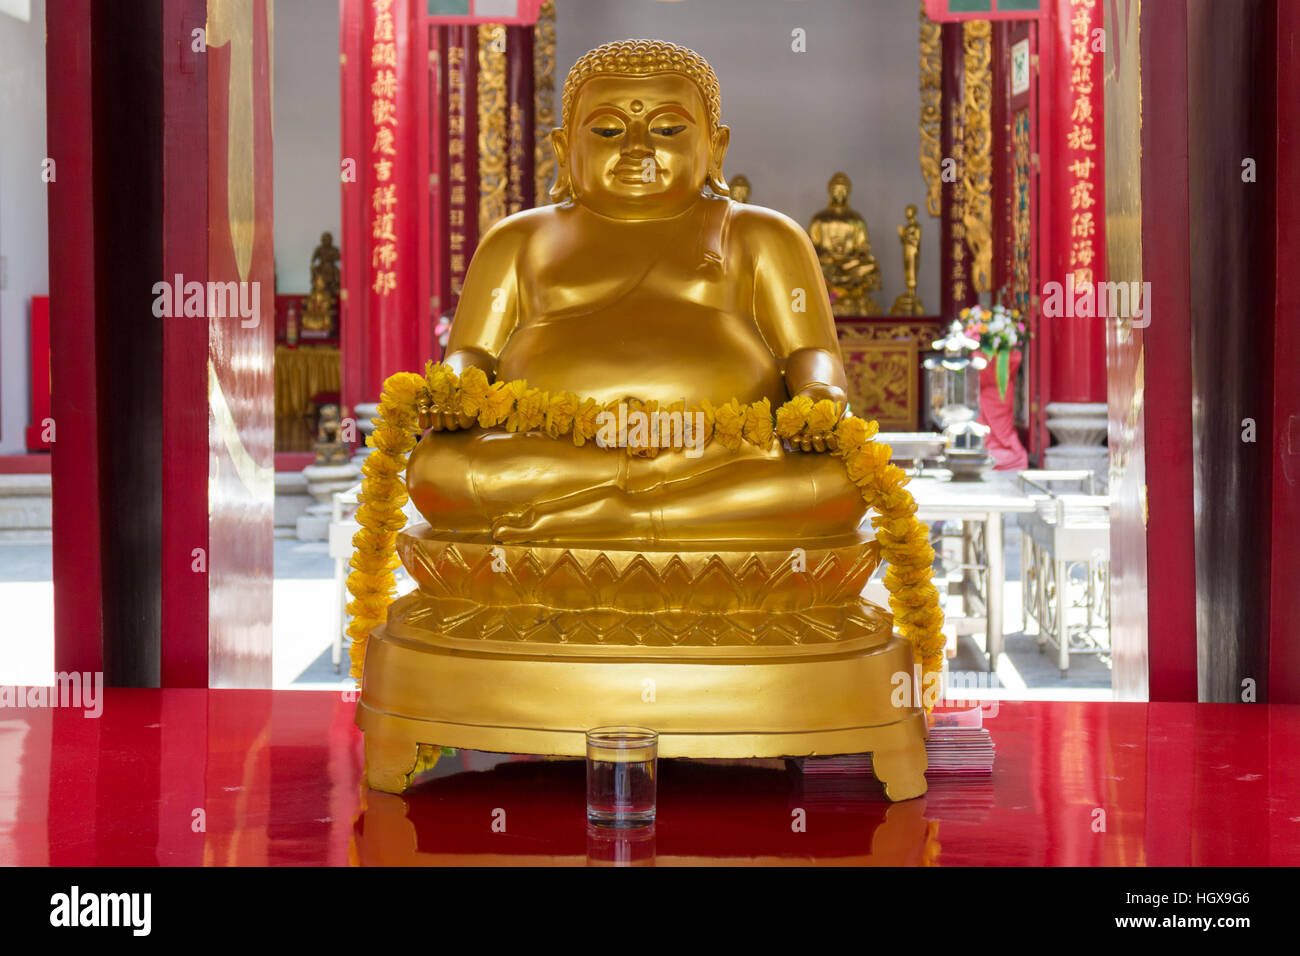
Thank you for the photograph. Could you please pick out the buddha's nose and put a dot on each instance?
(637, 142)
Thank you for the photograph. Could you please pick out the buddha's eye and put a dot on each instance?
(668, 130)
(606, 132)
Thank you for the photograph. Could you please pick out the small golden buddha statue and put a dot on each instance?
(739, 186)
(330, 447)
(909, 234)
(318, 307)
(839, 234)
(643, 280)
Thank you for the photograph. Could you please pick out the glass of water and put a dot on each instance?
(621, 771)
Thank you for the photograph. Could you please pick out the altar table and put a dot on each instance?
(273, 778)
(983, 503)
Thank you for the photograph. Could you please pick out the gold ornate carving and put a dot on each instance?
(543, 102)
(862, 333)
(931, 110)
(488, 593)
(491, 125)
(1020, 215)
(978, 153)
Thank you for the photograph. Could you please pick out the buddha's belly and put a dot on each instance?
(684, 352)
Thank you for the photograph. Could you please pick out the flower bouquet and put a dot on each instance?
(999, 331)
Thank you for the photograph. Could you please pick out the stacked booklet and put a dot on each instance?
(958, 745)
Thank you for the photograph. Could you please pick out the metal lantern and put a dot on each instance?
(955, 403)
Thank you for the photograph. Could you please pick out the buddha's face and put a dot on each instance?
(639, 147)
(839, 193)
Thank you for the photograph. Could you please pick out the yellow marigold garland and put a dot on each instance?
(408, 398)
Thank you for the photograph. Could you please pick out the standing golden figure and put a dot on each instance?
(839, 234)
(909, 234)
(712, 593)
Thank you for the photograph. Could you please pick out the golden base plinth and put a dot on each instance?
(765, 652)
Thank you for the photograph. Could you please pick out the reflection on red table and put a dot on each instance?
(226, 777)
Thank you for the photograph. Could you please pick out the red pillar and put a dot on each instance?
(1284, 647)
(74, 467)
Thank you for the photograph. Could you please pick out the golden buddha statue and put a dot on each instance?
(739, 186)
(715, 597)
(839, 234)
(909, 234)
(642, 280)
(318, 308)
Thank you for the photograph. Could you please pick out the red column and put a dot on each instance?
(1074, 195)
(74, 468)
(1166, 393)
(184, 606)
(1284, 648)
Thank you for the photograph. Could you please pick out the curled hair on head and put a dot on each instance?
(643, 58)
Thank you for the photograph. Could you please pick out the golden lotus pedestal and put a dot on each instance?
(763, 652)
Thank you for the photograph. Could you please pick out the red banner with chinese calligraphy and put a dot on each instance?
(391, 207)
(1076, 199)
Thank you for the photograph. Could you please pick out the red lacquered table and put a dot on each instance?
(220, 777)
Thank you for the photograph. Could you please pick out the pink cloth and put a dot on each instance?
(1002, 440)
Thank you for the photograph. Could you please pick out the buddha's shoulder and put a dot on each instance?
(761, 226)
(519, 227)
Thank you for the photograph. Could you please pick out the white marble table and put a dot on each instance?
(976, 503)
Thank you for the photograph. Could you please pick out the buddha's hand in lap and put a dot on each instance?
(817, 392)
(450, 421)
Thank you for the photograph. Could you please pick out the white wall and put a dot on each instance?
(306, 103)
(24, 241)
(851, 102)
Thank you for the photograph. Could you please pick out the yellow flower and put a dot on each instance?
(442, 383)
(584, 422)
(529, 409)
(497, 405)
(792, 416)
(729, 424)
(758, 423)
(559, 414)
(822, 418)
(650, 448)
(474, 389)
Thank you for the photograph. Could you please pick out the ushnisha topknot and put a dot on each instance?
(643, 58)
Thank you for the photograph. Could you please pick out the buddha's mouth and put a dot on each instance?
(634, 172)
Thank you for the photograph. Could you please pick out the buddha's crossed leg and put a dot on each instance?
(530, 488)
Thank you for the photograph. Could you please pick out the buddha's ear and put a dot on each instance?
(717, 153)
(563, 188)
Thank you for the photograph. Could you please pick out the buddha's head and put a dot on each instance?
(641, 132)
(839, 188)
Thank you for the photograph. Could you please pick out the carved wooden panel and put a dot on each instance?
(882, 362)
